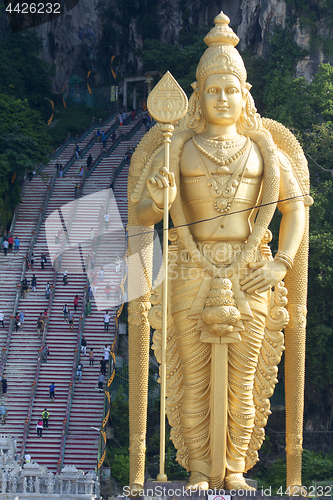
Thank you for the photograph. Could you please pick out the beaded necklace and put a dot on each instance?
(221, 156)
(224, 195)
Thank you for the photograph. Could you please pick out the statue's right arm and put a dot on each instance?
(150, 209)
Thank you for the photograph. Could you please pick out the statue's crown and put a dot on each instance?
(221, 34)
(221, 56)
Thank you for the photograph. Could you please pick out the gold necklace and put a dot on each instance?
(221, 142)
(221, 157)
(224, 196)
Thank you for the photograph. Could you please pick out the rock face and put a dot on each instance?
(70, 41)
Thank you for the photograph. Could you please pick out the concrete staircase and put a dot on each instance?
(20, 370)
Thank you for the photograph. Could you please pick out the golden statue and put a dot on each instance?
(227, 303)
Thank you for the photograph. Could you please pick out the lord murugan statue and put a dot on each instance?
(227, 299)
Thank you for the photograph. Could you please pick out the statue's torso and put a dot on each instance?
(199, 204)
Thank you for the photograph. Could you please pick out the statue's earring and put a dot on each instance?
(194, 109)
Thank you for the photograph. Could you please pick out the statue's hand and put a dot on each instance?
(157, 183)
(264, 276)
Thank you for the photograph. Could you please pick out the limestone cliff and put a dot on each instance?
(71, 41)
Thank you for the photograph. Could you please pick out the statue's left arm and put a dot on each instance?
(267, 274)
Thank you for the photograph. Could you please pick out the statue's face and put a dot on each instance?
(221, 99)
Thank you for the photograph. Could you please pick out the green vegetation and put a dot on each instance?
(117, 452)
(315, 467)
(24, 141)
(23, 74)
(307, 109)
(25, 108)
(181, 62)
(73, 120)
(23, 145)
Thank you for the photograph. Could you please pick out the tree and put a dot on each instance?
(322, 93)
(181, 62)
(24, 143)
(24, 75)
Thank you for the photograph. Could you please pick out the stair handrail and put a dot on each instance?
(65, 422)
(121, 165)
(112, 128)
(113, 146)
(111, 115)
(107, 397)
(103, 154)
(15, 214)
(87, 131)
(69, 139)
(57, 152)
(62, 146)
(69, 164)
(73, 158)
(106, 410)
(24, 268)
(88, 145)
(133, 130)
(72, 382)
(77, 350)
(43, 340)
(106, 154)
(37, 371)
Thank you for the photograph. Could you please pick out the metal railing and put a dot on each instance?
(87, 131)
(65, 423)
(24, 268)
(109, 117)
(56, 153)
(34, 387)
(133, 130)
(15, 214)
(37, 371)
(76, 360)
(106, 154)
(62, 146)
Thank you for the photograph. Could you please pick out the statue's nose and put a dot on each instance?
(222, 96)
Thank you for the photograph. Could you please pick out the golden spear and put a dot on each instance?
(167, 104)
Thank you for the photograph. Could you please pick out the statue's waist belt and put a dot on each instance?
(219, 253)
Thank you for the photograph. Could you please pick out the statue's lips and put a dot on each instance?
(222, 108)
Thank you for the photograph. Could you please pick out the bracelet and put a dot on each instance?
(157, 209)
(284, 258)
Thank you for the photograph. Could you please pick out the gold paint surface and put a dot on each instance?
(227, 297)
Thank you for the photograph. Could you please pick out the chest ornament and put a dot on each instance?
(221, 155)
(224, 195)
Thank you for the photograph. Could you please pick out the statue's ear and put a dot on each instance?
(248, 86)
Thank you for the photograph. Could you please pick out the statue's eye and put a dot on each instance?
(233, 90)
(212, 90)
